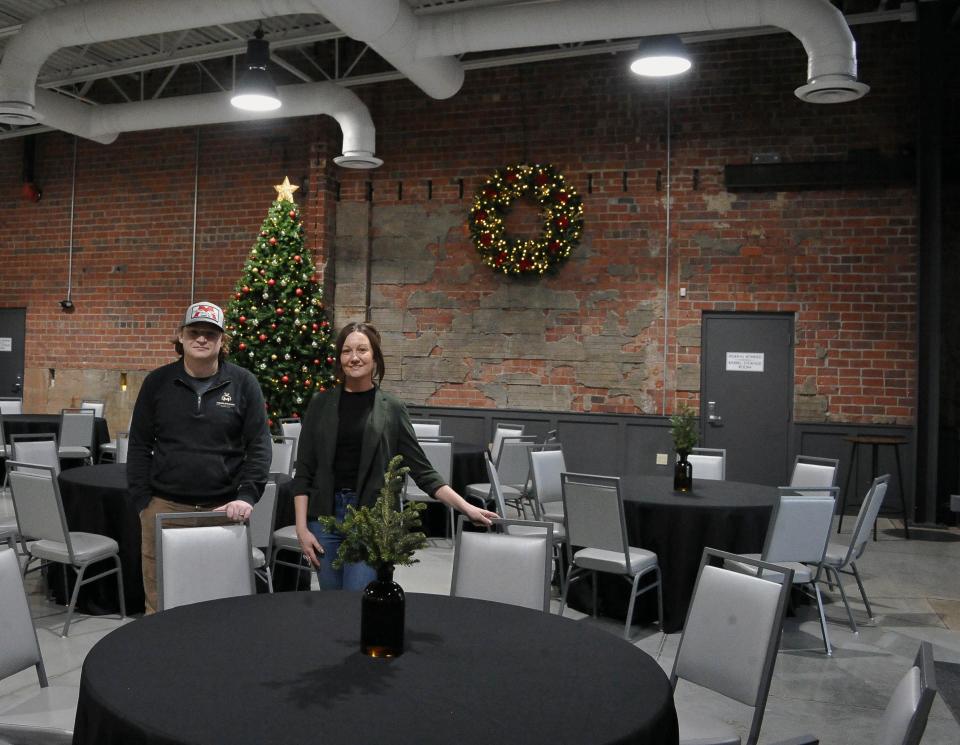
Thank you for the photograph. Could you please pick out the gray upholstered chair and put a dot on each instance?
(709, 463)
(291, 427)
(501, 430)
(439, 451)
(797, 538)
(47, 715)
(76, 434)
(905, 716)
(282, 458)
(203, 561)
(512, 566)
(729, 644)
(810, 470)
(510, 459)
(36, 498)
(426, 426)
(95, 404)
(41, 450)
(123, 446)
(593, 507)
(11, 406)
(545, 469)
(841, 557)
(261, 533)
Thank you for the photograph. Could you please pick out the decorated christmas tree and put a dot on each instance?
(276, 318)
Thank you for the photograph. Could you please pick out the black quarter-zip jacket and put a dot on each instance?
(203, 449)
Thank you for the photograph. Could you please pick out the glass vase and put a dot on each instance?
(682, 473)
(382, 615)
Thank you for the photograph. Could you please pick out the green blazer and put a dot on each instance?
(388, 433)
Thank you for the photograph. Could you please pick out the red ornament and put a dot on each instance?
(330, 360)
(271, 281)
(263, 272)
(316, 362)
(307, 383)
(273, 240)
(242, 346)
(279, 311)
(298, 292)
(486, 239)
(553, 246)
(525, 264)
(262, 337)
(264, 233)
(490, 192)
(325, 323)
(562, 198)
(284, 378)
(315, 327)
(322, 389)
(237, 296)
(511, 177)
(562, 221)
(297, 258)
(273, 327)
(541, 179)
(246, 289)
(293, 214)
(269, 422)
(501, 257)
(242, 319)
(480, 215)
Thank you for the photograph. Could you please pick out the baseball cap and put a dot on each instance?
(204, 312)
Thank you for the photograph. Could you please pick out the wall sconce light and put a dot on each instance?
(256, 90)
(53, 376)
(660, 57)
(67, 306)
(123, 381)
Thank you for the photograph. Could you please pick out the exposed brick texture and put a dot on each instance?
(609, 332)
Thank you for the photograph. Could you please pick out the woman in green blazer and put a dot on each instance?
(349, 436)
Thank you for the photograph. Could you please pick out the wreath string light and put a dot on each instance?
(561, 210)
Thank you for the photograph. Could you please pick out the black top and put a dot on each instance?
(286, 668)
(354, 411)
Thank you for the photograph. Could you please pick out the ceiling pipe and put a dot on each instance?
(104, 123)
(820, 28)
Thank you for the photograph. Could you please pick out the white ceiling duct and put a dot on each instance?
(421, 47)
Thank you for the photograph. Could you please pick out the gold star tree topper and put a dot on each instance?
(285, 190)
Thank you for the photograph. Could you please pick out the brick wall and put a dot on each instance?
(592, 337)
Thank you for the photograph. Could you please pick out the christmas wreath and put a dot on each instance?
(560, 208)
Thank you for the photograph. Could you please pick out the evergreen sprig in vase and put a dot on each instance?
(383, 537)
(683, 429)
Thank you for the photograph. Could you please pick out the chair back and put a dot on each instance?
(709, 463)
(76, 428)
(123, 446)
(281, 460)
(800, 526)
(545, 469)
(867, 516)
(40, 450)
(504, 567)
(36, 500)
(291, 426)
(809, 470)
(439, 452)
(426, 427)
(206, 562)
(593, 508)
(503, 430)
(262, 517)
(732, 632)
(513, 466)
(905, 718)
(11, 406)
(95, 404)
(20, 648)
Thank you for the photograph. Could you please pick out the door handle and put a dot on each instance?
(18, 385)
(712, 416)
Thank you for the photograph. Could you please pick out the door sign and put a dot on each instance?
(6, 344)
(745, 361)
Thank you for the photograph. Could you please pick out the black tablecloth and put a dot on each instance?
(728, 515)
(95, 501)
(286, 668)
(42, 424)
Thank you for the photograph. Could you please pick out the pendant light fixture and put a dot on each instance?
(256, 90)
(660, 57)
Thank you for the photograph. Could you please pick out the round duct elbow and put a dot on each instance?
(19, 112)
(358, 159)
(831, 89)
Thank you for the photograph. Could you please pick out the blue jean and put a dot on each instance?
(354, 576)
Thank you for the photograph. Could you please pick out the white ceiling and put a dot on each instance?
(304, 48)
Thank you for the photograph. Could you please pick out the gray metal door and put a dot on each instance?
(746, 401)
(12, 332)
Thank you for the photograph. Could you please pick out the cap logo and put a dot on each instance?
(206, 311)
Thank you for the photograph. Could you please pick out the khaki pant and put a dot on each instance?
(148, 543)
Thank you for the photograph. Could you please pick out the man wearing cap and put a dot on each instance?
(199, 439)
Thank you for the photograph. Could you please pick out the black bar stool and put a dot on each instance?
(875, 441)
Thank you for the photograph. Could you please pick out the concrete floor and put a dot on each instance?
(913, 586)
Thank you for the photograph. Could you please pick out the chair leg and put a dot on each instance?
(856, 575)
(630, 605)
(659, 598)
(123, 600)
(73, 599)
(843, 595)
(593, 582)
(823, 621)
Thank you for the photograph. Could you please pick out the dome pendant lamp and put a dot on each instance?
(256, 90)
(660, 57)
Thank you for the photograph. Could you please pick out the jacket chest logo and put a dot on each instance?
(226, 401)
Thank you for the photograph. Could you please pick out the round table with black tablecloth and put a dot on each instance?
(42, 424)
(728, 515)
(287, 668)
(95, 501)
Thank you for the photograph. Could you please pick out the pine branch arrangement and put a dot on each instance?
(381, 535)
(683, 429)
